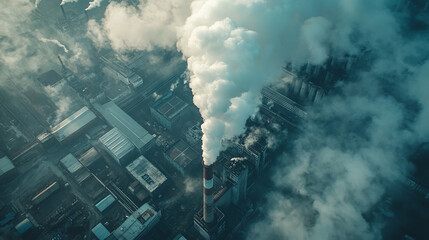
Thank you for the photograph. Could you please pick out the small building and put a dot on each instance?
(73, 125)
(135, 133)
(89, 158)
(75, 168)
(6, 169)
(147, 174)
(169, 111)
(118, 146)
(138, 224)
(105, 203)
(45, 193)
(180, 155)
(23, 226)
(101, 232)
(71, 163)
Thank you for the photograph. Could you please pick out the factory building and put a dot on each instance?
(118, 146)
(104, 203)
(23, 226)
(101, 232)
(7, 169)
(209, 221)
(235, 172)
(122, 72)
(73, 125)
(135, 133)
(147, 174)
(45, 193)
(193, 135)
(169, 111)
(90, 159)
(75, 168)
(138, 224)
(284, 102)
(181, 156)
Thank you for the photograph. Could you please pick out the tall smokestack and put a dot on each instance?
(208, 208)
(62, 10)
(61, 62)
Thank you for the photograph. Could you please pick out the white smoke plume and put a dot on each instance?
(67, 1)
(36, 3)
(93, 4)
(55, 41)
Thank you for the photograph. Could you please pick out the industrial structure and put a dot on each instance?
(133, 131)
(180, 156)
(6, 169)
(73, 125)
(118, 146)
(138, 224)
(209, 221)
(169, 110)
(122, 72)
(146, 174)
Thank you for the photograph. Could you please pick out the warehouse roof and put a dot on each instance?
(137, 223)
(72, 124)
(116, 143)
(146, 173)
(5, 165)
(71, 163)
(89, 157)
(169, 106)
(105, 203)
(128, 126)
(100, 231)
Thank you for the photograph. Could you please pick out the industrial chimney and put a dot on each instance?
(208, 209)
(62, 64)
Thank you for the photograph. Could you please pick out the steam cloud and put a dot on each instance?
(55, 41)
(354, 142)
(67, 1)
(93, 4)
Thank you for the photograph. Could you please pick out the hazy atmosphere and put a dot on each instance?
(214, 119)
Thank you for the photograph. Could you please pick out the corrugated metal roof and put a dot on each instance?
(73, 123)
(89, 157)
(71, 163)
(128, 126)
(146, 173)
(5, 165)
(100, 231)
(105, 203)
(116, 143)
(23, 226)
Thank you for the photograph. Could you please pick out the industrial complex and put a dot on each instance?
(114, 150)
